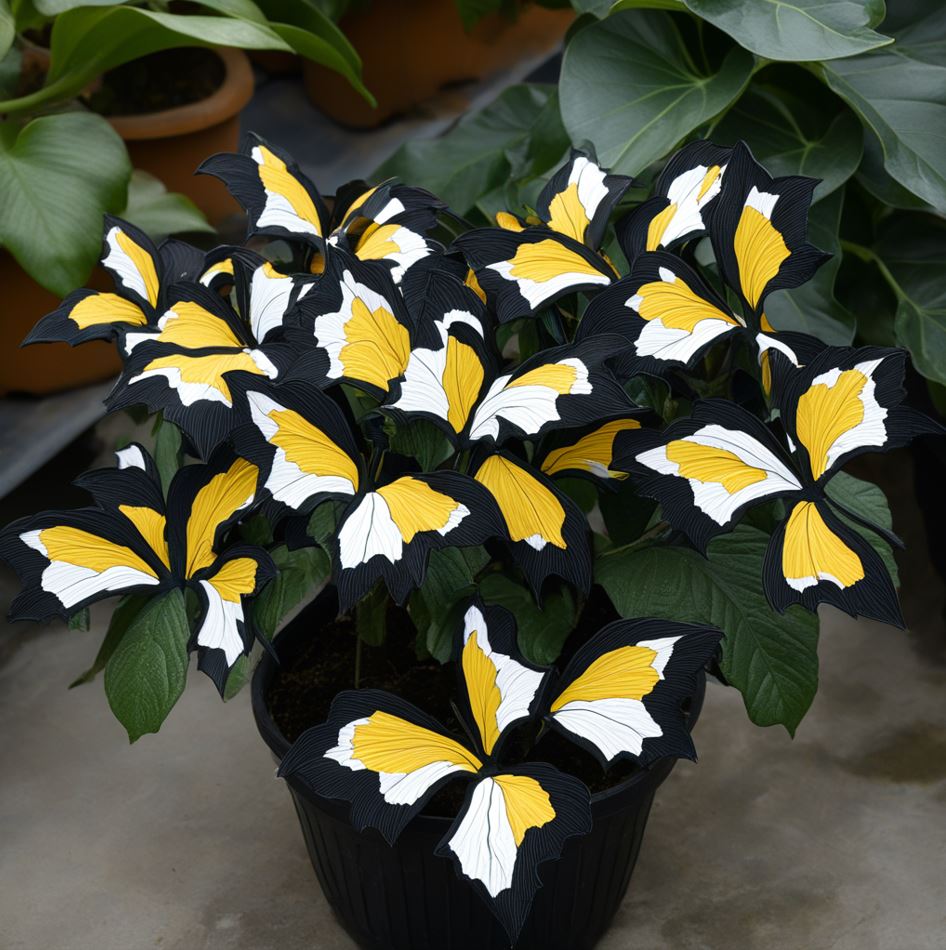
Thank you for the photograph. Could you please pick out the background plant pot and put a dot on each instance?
(409, 51)
(406, 898)
(170, 144)
(46, 367)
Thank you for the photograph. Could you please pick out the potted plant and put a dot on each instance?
(413, 51)
(71, 75)
(448, 437)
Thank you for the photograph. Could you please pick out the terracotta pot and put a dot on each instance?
(170, 144)
(45, 367)
(411, 50)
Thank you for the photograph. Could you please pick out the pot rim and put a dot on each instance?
(603, 802)
(228, 100)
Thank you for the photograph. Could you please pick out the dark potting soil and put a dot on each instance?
(165, 80)
(303, 689)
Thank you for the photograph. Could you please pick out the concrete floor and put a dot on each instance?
(186, 841)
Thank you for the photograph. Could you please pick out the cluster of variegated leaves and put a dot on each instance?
(620, 696)
(299, 385)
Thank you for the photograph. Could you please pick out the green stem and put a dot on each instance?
(648, 535)
(870, 256)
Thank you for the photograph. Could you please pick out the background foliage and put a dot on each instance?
(845, 91)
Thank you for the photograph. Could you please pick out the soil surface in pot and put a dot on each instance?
(159, 81)
(303, 689)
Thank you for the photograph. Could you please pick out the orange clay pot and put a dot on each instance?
(44, 367)
(170, 144)
(410, 51)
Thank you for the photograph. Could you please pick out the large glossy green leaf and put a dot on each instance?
(869, 502)
(770, 658)
(88, 41)
(145, 676)
(159, 212)
(58, 175)
(630, 87)
(769, 124)
(900, 92)
(53, 8)
(797, 30)
(813, 307)
(874, 178)
(471, 158)
(914, 250)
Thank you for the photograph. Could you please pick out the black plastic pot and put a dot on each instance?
(406, 898)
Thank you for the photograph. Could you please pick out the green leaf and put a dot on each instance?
(312, 34)
(167, 451)
(301, 573)
(773, 129)
(447, 586)
(797, 30)
(900, 92)
(80, 620)
(626, 513)
(629, 87)
(53, 8)
(470, 159)
(869, 502)
(322, 522)
(770, 658)
(128, 608)
(7, 28)
(58, 175)
(89, 41)
(236, 678)
(420, 440)
(472, 11)
(542, 630)
(874, 178)
(159, 212)
(371, 616)
(145, 676)
(813, 307)
(914, 250)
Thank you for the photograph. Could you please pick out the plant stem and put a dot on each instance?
(870, 256)
(648, 535)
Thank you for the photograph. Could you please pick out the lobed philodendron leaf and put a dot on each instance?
(629, 87)
(900, 92)
(797, 30)
(767, 123)
(471, 159)
(58, 175)
(145, 676)
(914, 250)
(770, 658)
(813, 307)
